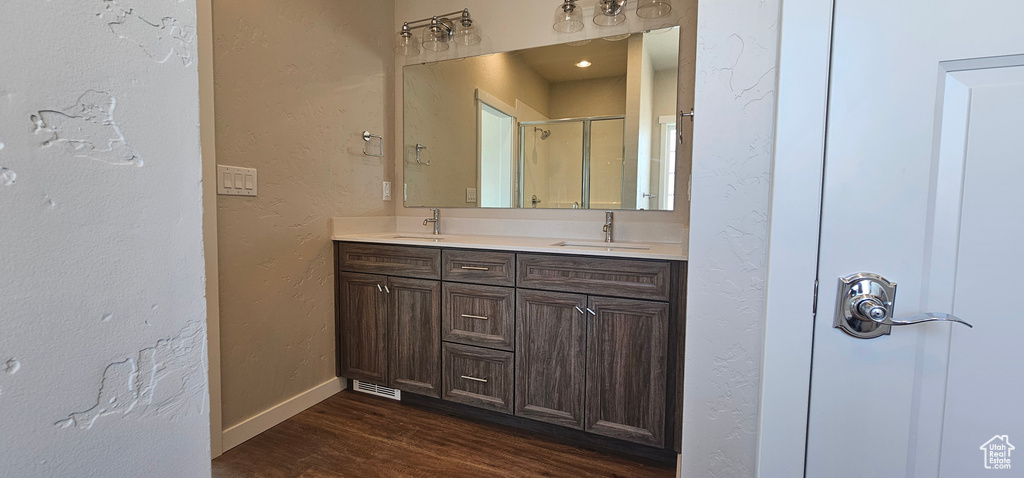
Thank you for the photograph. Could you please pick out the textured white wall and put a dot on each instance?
(297, 82)
(102, 317)
(732, 152)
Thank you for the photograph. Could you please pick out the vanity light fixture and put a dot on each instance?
(610, 12)
(568, 17)
(584, 64)
(439, 31)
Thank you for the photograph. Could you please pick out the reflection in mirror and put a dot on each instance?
(588, 124)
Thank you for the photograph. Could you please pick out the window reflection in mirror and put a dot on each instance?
(588, 124)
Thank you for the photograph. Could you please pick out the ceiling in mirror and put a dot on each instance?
(587, 124)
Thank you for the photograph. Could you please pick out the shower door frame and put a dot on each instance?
(521, 160)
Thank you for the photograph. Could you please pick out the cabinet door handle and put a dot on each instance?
(591, 312)
(387, 290)
(477, 317)
(474, 268)
(379, 289)
(482, 380)
(578, 309)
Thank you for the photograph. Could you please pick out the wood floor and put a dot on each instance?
(353, 434)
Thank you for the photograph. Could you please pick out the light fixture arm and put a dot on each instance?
(426, 22)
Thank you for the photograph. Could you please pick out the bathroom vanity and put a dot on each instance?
(575, 339)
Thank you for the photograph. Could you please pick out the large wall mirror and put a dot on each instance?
(582, 125)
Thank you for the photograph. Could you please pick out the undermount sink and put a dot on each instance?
(604, 245)
(416, 237)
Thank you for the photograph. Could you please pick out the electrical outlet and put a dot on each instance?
(471, 195)
(235, 181)
(387, 190)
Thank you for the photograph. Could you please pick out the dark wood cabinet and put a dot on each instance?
(363, 330)
(414, 310)
(551, 344)
(588, 343)
(389, 327)
(627, 345)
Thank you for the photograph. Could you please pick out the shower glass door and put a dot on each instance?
(571, 163)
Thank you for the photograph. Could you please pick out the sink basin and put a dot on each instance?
(416, 237)
(623, 246)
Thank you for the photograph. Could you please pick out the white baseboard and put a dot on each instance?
(267, 419)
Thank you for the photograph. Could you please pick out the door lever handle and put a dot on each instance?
(871, 308)
(865, 304)
(931, 317)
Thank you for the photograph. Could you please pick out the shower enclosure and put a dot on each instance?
(571, 163)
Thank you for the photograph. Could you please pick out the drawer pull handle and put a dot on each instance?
(578, 309)
(474, 268)
(482, 380)
(477, 317)
(386, 289)
(591, 312)
(379, 289)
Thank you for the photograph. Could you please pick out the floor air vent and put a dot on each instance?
(372, 389)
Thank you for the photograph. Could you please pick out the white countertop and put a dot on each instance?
(661, 251)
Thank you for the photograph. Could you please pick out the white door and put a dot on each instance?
(924, 185)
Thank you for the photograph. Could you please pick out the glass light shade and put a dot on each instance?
(609, 13)
(467, 35)
(406, 46)
(653, 8)
(568, 19)
(435, 40)
(609, 20)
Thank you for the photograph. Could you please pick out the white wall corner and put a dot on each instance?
(733, 148)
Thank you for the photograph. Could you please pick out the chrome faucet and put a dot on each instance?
(436, 220)
(608, 226)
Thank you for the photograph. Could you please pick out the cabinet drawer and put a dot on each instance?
(479, 267)
(478, 377)
(479, 315)
(595, 276)
(404, 261)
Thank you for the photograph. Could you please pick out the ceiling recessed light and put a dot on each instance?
(583, 64)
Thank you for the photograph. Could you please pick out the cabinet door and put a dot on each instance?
(627, 341)
(551, 344)
(414, 307)
(363, 327)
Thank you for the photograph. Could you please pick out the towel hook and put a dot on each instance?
(420, 147)
(366, 137)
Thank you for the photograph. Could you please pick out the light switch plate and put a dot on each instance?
(387, 191)
(471, 195)
(235, 181)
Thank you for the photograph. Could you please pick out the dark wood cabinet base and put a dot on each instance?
(578, 438)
